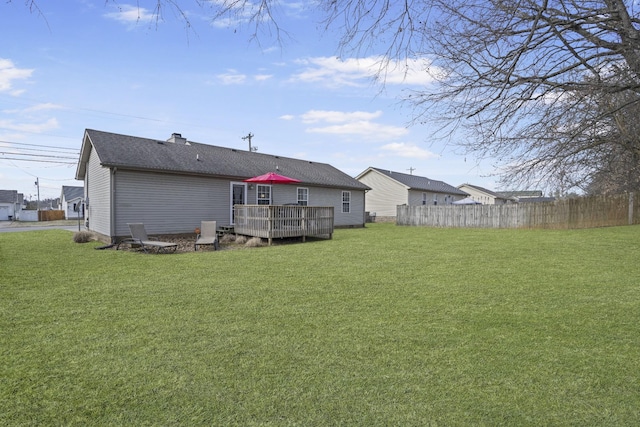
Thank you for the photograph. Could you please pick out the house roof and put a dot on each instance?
(8, 196)
(192, 158)
(484, 190)
(536, 199)
(420, 183)
(521, 194)
(71, 192)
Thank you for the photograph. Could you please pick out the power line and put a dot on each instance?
(32, 101)
(19, 150)
(37, 155)
(40, 145)
(39, 161)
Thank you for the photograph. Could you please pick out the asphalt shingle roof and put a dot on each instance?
(131, 152)
(422, 183)
(8, 196)
(71, 192)
(484, 190)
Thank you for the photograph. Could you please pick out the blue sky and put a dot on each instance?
(84, 64)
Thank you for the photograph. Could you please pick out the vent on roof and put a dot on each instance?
(177, 138)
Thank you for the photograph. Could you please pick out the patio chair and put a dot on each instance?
(208, 235)
(139, 237)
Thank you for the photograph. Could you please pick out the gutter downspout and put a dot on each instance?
(112, 203)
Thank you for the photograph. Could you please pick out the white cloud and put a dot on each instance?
(371, 130)
(349, 124)
(9, 73)
(402, 149)
(231, 77)
(36, 108)
(262, 77)
(336, 72)
(130, 14)
(314, 116)
(30, 127)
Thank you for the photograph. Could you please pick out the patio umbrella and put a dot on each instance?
(272, 178)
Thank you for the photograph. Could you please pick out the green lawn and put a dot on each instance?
(380, 326)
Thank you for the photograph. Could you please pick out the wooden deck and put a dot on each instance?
(278, 221)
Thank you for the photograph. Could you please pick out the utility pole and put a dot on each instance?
(411, 169)
(248, 137)
(38, 186)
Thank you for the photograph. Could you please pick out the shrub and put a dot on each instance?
(241, 240)
(82, 237)
(254, 242)
(228, 238)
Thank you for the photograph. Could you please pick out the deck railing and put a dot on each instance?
(278, 221)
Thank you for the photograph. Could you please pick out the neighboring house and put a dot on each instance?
(528, 196)
(10, 205)
(72, 202)
(484, 196)
(390, 189)
(172, 185)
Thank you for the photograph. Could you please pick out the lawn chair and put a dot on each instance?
(208, 235)
(139, 237)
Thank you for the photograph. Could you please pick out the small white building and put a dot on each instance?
(72, 202)
(10, 205)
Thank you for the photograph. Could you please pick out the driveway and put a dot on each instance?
(14, 226)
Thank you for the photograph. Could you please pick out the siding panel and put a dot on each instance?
(168, 204)
(385, 194)
(97, 184)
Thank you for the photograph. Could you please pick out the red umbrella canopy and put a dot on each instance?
(272, 178)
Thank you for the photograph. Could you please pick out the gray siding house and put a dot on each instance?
(390, 189)
(172, 185)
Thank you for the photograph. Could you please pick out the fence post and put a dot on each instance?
(631, 196)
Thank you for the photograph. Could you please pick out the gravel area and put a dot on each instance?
(229, 242)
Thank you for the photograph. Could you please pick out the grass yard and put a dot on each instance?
(380, 326)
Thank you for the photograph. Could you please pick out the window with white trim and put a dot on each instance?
(424, 198)
(264, 194)
(346, 201)
(303, 196)
(435, 199)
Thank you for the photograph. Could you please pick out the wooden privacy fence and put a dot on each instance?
(278, 221)
(50, 215)
(582, 212)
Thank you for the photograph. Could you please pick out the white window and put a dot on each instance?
(303, 196)
(346, 201)
(264, 194)
(435, 199)
(424, 198)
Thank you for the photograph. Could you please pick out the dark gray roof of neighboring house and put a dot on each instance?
(422, 183)
(131, 152)
(536, 199)
(489, 192)
(521, 194)
(9, 196)
(71, 192)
